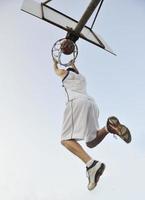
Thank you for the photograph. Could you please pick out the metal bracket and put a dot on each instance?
(72, 35)
(45, 2)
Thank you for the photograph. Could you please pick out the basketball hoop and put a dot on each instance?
(64, 51)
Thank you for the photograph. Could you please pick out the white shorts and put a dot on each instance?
(80, 120)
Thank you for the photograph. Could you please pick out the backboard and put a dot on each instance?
(53, 16)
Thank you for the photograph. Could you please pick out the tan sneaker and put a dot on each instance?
(115, 127)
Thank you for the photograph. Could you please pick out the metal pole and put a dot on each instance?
(87, 14)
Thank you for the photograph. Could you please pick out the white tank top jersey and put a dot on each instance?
(74, 84)
(81, 113)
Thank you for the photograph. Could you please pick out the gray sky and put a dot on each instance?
(33, 163)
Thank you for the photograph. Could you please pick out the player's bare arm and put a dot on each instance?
(74, 66)
(59, 72)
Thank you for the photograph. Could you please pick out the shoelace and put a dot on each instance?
(115, 136)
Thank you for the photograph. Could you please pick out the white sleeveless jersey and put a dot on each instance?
(81, 113)
(75, 85)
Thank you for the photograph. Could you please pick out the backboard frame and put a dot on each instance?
(68, 29)
(99, 41)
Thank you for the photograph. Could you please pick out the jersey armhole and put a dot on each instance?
(65, 76)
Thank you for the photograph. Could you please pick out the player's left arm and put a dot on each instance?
(58, 71)
(74, 66)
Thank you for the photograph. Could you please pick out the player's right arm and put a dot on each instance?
(59, 72)
(74, 66)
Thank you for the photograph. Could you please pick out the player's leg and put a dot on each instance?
(113, 126)
(100, 135)
(94, 168)
(73, 146)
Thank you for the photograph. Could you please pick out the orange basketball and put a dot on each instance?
(67, 46)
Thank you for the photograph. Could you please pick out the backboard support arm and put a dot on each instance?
(74, 34)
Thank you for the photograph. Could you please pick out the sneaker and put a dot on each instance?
(115, 127)
(93, 173)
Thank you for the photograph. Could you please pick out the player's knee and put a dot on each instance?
(67, 144)
(64, 142)
(90, 145)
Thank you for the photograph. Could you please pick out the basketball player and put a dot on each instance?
(81, 122)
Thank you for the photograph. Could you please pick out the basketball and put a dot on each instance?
(67, 46)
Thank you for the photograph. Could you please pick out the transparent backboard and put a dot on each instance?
(49, 14)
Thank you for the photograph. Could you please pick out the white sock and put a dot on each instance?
(89, 163)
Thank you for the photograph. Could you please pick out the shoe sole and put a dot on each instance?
(123, 132)
(99, 173)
